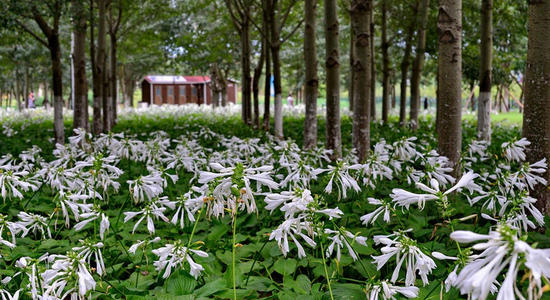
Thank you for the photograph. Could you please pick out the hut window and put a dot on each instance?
(194, 90)
(158, 91)
(182, 90)
(170, 91)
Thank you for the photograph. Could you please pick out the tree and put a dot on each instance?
(113, 31)
(536, 120)
(97, 54)
(418, 62)
(332, 65)
(40, 13)
(405, 63)
(360, 20)
(278, 17)
(240, 15)
(485, 74)
(385, 64)
(256, 83)
(449, 25)
(312, 82)
(266, 23)
(80, 119)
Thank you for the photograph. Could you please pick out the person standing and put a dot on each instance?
(31, 100)
(290, 100)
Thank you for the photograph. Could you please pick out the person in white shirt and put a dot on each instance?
(290, 100)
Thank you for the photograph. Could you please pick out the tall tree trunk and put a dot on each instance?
(360, 21)
(275, 56)
(245, 69)
(312, 81)
(405, 63)
(98, 61)
(57, 86)
(80, 115)
(418, 62)
(46, 102)
(267, 86)
(113, 79)
(393, 96)
(449, 25)
(332, 64)
(352, 58)
(373, 68)
(107, 97)
(17, 90)
(536, 119)
(26, 87)
(256, 84)
(485, 74)
(385, 64)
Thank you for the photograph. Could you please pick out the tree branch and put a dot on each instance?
(29, 31)
(286, 14)
(291, 33)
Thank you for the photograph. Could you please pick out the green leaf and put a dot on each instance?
(180, 283)
(210, 288)
(285, 266)
(347, 291)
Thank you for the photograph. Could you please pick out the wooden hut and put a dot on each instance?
(166, 89)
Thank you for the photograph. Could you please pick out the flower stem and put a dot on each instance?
(326, 270)
(233, 255)
(192, 234)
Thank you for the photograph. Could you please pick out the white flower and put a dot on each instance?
(338, 241)
(371, 217)
(12, 181)
(144, 243)
(89, 249)
(405, 251)
(405, 198)
(500, 252)
(387, 291)
(514, 151)
(29, 222)
(153, 210)
(339, 176)
(293, 227)
(175, 255)
(146, 187)
(68, 275)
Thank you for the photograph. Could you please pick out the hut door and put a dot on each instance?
(194, 94)
(158, 95)
(182, 95)
(170, 95)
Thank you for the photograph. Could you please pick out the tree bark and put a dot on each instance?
(17, 90)
(485, 74)
(256, 84)
(26, 88)
(385, 64)
(332, 64)
(80, 113)
(107, 97)
(373, 68)
(267, 86)
(98, 65)
(405, 63)
(449, 25)
(276, 59)
(113, 80)
(312, 81)
(245, 67)
(536, 118)
(418, 62)
(360, 21)
(352, 59)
